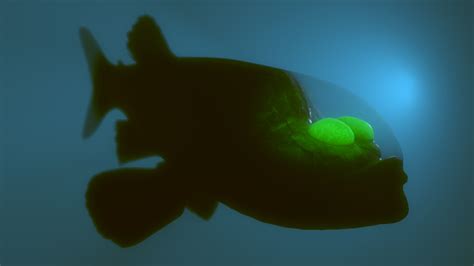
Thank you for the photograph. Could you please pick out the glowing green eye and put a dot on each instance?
(332, 131)
(362, 130)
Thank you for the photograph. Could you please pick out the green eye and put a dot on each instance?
(362, 130)
(332, 131)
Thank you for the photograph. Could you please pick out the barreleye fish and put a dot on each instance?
(231, 132)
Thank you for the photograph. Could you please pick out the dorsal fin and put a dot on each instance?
(147, 43)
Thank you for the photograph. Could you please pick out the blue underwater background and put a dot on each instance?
(411, 60)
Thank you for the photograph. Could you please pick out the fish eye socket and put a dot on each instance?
(362, 130)
(332, 131)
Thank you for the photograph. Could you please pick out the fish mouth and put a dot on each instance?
(389, 170)
(376, 195)
(369, 196)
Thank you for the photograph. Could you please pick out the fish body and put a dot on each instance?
(229, 132)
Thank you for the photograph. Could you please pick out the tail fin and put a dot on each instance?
(99, 68)
(128, 205)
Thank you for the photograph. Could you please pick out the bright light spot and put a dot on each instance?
(394, 92)
(401, 89)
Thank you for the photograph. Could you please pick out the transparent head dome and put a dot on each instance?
(328, 100)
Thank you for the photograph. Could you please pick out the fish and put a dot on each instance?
(230, 132)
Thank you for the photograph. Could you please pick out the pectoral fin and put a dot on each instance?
(128, 205)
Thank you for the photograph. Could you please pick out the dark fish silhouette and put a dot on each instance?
(232, 132)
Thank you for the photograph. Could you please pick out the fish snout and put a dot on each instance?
(391, 169)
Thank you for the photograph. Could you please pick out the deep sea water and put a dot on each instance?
(411, 60)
